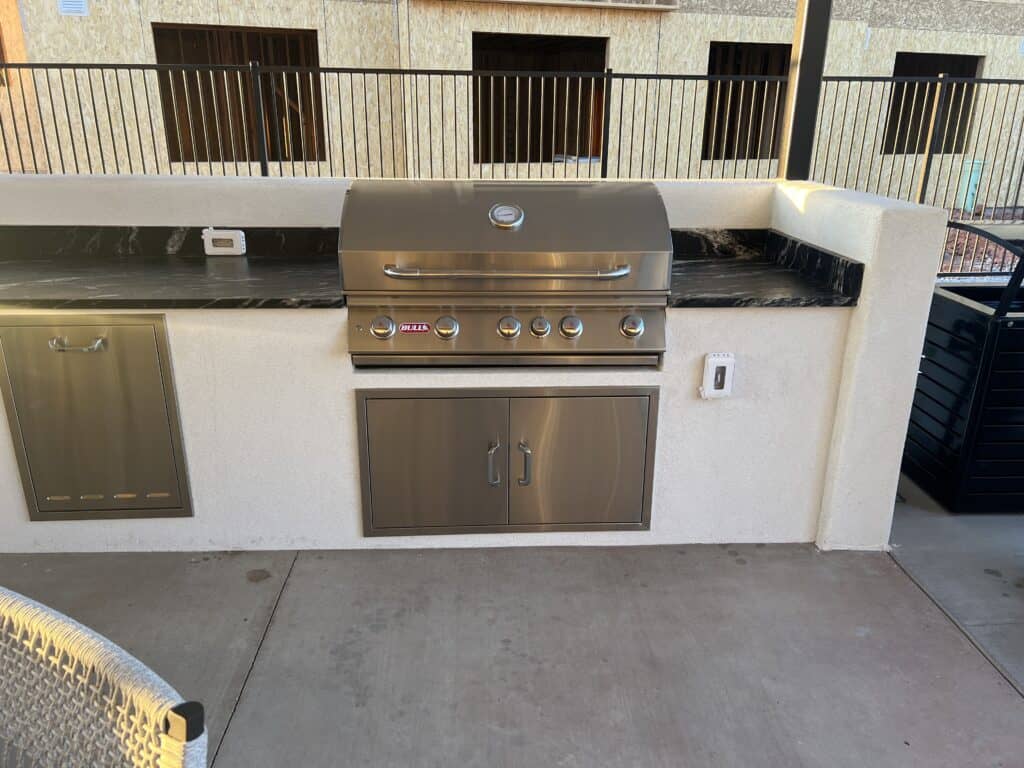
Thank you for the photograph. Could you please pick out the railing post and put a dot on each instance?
(926, 165)
(261, 131)
(607, 121)
(803, 88)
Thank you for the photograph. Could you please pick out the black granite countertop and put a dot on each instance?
(87, 267)
(174, 285)
(162, 268)
(758, 268)
(743, 283)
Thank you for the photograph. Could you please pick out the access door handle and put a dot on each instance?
(61, 344)
(493, 475)
(527, 477)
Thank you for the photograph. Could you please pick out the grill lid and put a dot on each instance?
(476, 217)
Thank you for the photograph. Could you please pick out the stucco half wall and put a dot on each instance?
(808, 449)
(899, 244)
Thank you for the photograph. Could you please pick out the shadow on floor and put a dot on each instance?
(972, 566)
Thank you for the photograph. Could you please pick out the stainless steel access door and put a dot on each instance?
(578, 460)
(436, 462)
(92, 413)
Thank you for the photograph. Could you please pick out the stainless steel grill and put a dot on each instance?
(503, 273)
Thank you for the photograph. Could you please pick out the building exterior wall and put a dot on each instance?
(378, 129)
(350, 32)
(438, 33)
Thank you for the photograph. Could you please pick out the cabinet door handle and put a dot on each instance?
(493, 475)
(527, 477)
(60, 344)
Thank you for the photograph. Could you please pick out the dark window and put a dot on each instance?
(912, 104)
(210, 115)
(537, 119)
(742, 119)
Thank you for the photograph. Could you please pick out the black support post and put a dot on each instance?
(803, 91)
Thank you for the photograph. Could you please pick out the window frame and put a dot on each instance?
(725, 119)
(900, 123)
(294, 140)
(562, 123)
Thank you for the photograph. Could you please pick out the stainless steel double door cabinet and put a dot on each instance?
(463, 461)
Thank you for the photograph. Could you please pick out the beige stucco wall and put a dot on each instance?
(349, 32)
(440, 33)
(267, 404)
(437, 33)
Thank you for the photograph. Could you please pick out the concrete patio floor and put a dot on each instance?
(973, 567)
(647, 656)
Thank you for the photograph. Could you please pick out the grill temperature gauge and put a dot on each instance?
(506, 216)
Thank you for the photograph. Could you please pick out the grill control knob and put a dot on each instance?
(446, 327)
(632, 326)
(540, 327)
(570, 327)
(382, 326)
(509, 327)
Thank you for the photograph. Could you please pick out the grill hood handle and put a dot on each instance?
(428, 273)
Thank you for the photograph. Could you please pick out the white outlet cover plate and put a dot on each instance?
(719, 368)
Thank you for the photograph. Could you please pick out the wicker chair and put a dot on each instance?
(69, 697)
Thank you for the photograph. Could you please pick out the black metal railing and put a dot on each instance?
(953, 142)
(289, 121)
